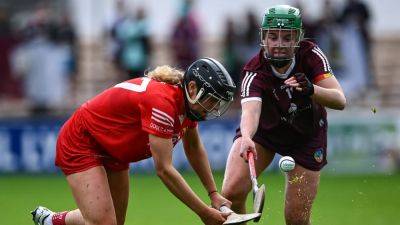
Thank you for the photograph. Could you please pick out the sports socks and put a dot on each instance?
(57, 219)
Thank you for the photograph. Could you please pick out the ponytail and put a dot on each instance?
(166, 74)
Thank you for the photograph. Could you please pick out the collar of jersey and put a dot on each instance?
(287, 73)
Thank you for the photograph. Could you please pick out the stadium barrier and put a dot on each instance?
(355, 145)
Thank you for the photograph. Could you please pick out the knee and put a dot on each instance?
(298, 215)
(237, 195)
(104, 220)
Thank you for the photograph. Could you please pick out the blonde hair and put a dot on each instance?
(166, 74)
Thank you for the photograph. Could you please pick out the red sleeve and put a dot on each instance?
(157, 116)
(318, 64)
(251, 86)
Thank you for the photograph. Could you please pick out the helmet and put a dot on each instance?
(282, 18)
(215, 89)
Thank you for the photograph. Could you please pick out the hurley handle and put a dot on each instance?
(225, 209)
(252, 166)
(252, 169)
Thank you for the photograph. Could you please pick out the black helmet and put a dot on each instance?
(215, 88)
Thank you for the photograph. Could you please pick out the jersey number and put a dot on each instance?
(135, 87)
(289, 93)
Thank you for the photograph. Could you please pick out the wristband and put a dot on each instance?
(212, 192)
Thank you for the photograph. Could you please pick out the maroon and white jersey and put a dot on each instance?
(287, 117)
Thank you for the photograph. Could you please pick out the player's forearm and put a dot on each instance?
(198, 159)
(249, 123)
(331, 98)
(178, 186)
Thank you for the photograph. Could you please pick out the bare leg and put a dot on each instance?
(92, 194)
(237, 184)
(301, 189)
(119, 186)
(74, 217)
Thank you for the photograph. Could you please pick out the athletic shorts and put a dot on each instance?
(78, 151)
(311, 154)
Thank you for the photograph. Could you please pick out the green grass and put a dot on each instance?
(367, 200)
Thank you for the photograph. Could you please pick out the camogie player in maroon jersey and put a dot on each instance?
(134, 120)
(284, 91)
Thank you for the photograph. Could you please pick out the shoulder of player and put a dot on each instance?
(256, 74)
(258, 78)
(161, 89)
(162, 93)
(308, 47)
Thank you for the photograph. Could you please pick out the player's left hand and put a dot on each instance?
(301, 84)
(217, 201)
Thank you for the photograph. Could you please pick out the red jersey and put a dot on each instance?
(121, 118)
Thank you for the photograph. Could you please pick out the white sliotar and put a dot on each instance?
(286, 163)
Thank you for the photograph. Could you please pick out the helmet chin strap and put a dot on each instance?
(276, 62)
(196, 99)
(192, 114)
(279, 63)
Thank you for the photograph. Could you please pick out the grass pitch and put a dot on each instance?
(367, 200)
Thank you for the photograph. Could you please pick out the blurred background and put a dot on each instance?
(55, 55)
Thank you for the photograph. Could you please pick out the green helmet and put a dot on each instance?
(281, 17)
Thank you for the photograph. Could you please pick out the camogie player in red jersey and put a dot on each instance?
(134, 120)
(285, 89)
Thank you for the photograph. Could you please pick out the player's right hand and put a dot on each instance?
(214, 217)
(301, 84)
(247, 145)
(217, 201)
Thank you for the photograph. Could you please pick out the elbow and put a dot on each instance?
(162, 171)
(341, 103)
(337, 104)
(340, 107)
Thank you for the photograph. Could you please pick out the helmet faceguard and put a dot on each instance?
(215, 89)
(281, 32)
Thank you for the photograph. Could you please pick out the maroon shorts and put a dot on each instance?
(78, 151)
(311, 154)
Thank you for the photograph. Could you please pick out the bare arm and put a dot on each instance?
(250, 117)
(198, 159)
(161, 150)
(329, 93)
(251, 111)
